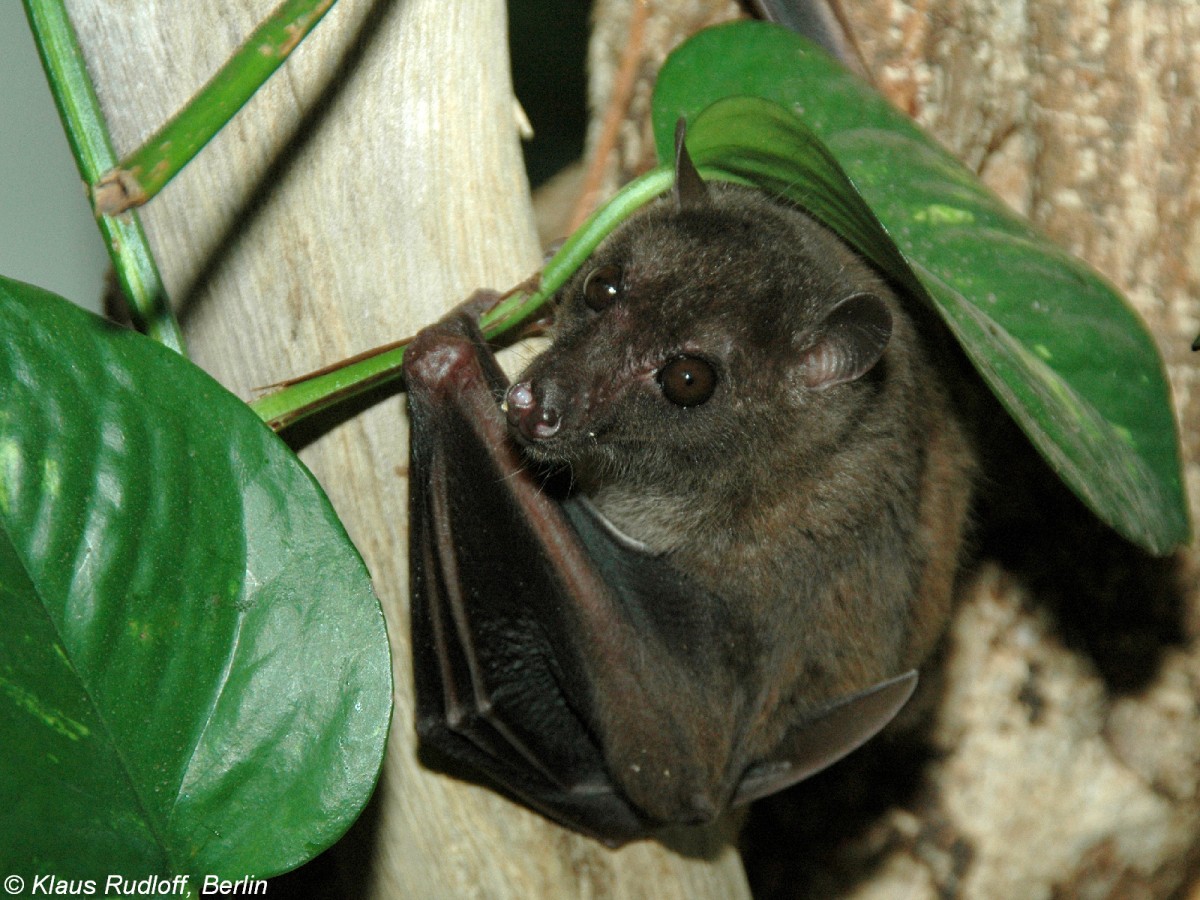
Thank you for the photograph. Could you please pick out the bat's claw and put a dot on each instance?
(480, 302)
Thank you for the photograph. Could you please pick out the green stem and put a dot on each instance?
(297, 401)
(144, 172)
(302, 399)
(88, 136)
(577, 248)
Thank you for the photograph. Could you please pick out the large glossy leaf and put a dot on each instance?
(1057, 343)
(194, 674)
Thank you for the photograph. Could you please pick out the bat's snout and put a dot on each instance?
(531, 413)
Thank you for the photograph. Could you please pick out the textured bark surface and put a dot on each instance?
(649, 35)
(1061, 756)
(1069, 732)
(375, 181)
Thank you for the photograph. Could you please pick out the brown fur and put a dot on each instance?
(829, 519)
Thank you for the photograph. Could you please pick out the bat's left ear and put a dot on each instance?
(690, 189)
(849, 341)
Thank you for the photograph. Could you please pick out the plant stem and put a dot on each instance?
(144, 172)
(88, 136)
(302, 398)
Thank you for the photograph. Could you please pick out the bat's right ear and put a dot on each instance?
(690, 189)
(849, 341)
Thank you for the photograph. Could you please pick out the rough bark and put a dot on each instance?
(375, 181)
(1062, 754)
(1070, 727)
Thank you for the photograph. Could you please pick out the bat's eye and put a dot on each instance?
(602, 287)
(687, 381)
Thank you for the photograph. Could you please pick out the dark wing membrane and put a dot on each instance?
(488, 598)
(819, 21)
(549, 650)
(822, 739)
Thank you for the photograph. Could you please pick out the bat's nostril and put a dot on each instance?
(547, 424)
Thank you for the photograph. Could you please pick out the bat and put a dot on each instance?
(696, 552)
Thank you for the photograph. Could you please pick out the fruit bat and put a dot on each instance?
(694, 554)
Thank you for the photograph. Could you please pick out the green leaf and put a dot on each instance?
(194, 674)
(1059, 346)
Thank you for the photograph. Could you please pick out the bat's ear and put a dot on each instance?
(690, 189)
(849, 341)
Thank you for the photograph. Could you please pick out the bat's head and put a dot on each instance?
(700, 335)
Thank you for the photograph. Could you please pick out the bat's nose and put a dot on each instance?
(534, 418)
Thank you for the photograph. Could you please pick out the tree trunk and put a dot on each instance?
(374, 181)
(1070, 727)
